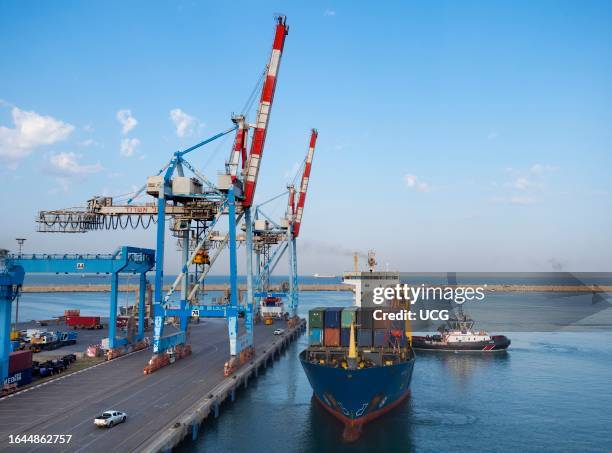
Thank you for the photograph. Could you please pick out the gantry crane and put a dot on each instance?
(272, 240)
(195, 206)
(13, 269)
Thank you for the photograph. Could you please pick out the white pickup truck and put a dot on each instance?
(108, 419)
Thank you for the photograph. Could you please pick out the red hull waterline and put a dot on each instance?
(352, 427)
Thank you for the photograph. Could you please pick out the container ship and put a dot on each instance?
(359, 367)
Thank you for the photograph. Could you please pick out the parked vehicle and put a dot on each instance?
(279, 331)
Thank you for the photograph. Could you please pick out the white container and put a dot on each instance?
(181, 185)
(224, 181)
(154, 185)
(261, 224)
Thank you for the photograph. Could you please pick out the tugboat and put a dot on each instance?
(459, 335)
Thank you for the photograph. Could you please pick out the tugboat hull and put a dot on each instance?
(497, 343)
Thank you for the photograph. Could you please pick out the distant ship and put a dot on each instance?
(359, 368)
(323, 276)
(459, 335)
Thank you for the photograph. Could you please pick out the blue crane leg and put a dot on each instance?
(249, 276)
(141, 305)
(158, 311)
(5, 331)
(232, 321)
(112, 319)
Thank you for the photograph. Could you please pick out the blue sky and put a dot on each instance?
(452, 135)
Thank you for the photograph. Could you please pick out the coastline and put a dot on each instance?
(104, 288)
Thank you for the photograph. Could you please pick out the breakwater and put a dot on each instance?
(103, 288)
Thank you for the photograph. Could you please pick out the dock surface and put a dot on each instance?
(69, 404)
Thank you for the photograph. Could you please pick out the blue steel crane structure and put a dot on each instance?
(195, 206)
(125, 260)
(282, 237)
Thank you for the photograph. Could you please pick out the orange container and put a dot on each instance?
(332, 336)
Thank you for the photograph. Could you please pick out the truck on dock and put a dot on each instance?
(83, 322)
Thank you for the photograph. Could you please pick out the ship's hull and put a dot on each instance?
(497, 343)
(360, 395)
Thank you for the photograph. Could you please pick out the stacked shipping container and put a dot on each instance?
(20, 368)
(315, 326)
(332, 327)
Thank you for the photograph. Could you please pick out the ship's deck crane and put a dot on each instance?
(195, 206)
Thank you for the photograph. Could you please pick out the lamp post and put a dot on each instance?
(20, 242)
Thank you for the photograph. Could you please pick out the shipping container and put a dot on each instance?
(345, 337)
(332, 336)
(383, 322)
(315, 317)
(20, 360)
(364, 318)
(15, 345)
(398, 325)
(315, 336)
(381, 337)
(332, 318)
(21, 377)
(349, 316)
(364, 337)
(83, 322)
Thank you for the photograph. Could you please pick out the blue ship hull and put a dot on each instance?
(359, 395)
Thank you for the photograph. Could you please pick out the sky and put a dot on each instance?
(453, 136)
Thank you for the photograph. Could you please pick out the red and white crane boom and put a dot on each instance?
(263, 112)
(304, 184)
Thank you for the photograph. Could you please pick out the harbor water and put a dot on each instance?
(550, 392)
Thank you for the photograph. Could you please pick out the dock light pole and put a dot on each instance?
(20, 242)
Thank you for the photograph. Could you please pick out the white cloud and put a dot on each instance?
(413, 182)
(185, 124)
(522, 200)
(522, 183)
(129, 146)
(88, 142)
(539, 169)
(68, 164)
(30, 131)
(329, 13)
(128, 122)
